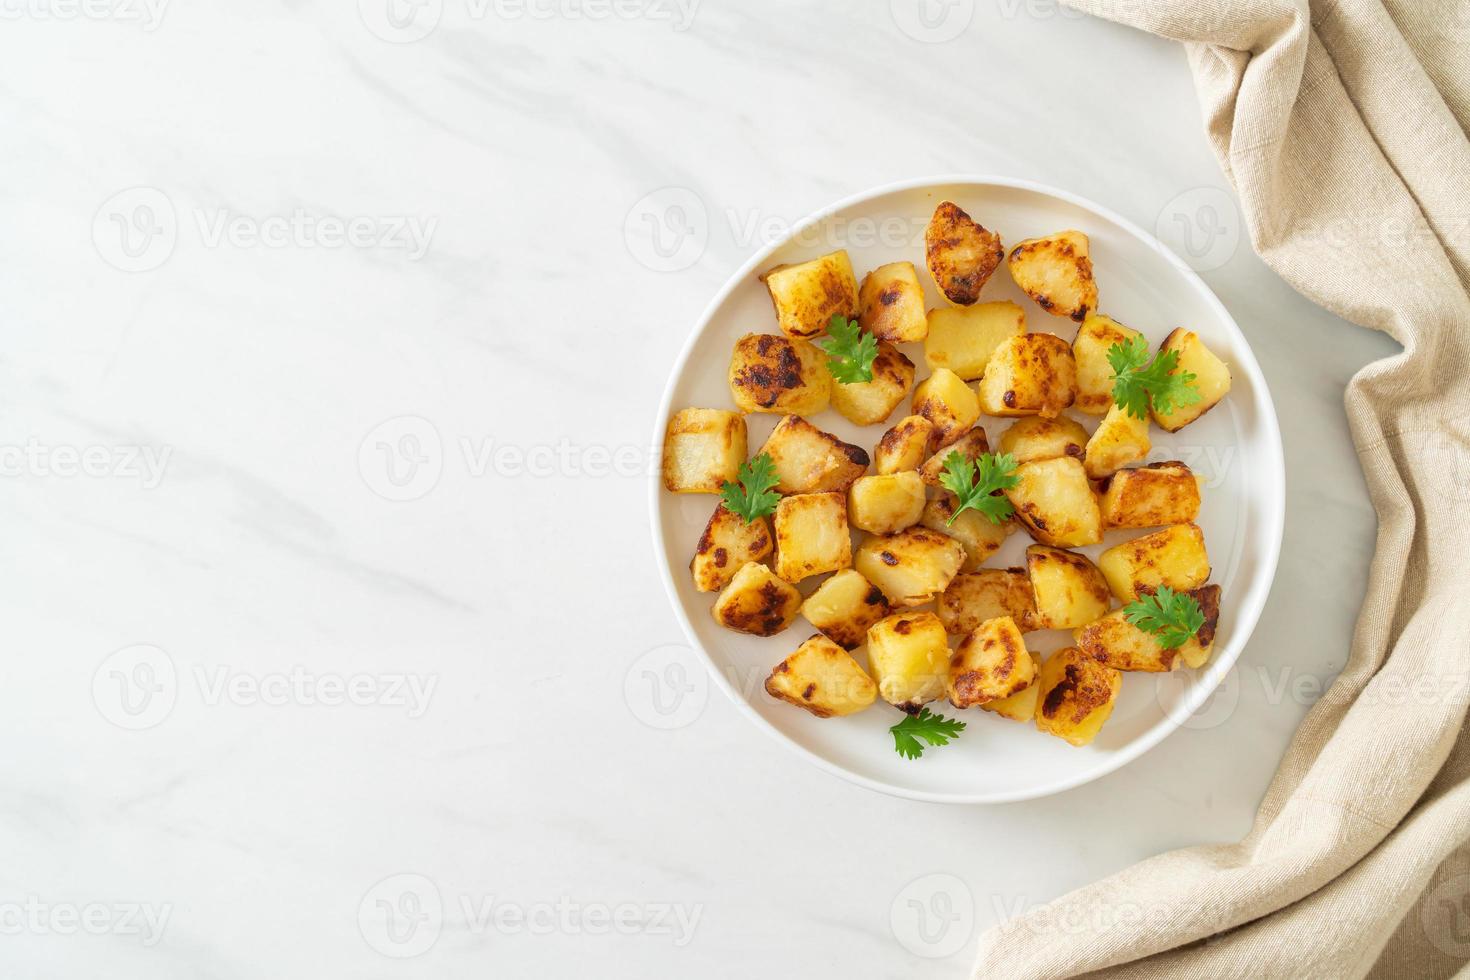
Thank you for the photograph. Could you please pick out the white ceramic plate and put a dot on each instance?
(1235, 449)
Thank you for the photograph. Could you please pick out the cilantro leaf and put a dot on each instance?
(850, 352)
(1139, 382)
(976, 482)
(753, 496)
(1172, 617)
(926, 726)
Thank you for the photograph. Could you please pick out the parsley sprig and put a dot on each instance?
(1172, 617)
(931, 728)
(975, 482)
(753, 496)
(1137, 380)
(850, 352)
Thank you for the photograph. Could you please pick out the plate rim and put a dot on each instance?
(1255, 600)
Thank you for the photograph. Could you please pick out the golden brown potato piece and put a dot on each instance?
(808, 460)
(1068, 588)
(811, 535)
(1119, 439)
(1020, 706)
(807, 295)
(725, 546)
(980, 537)
(844, 606)
(948, 403)
(905, 446)
(1174, 557)
(892, 302)
(962, 255)
(1121, 645)
(886, 504)
(822, 678)
(1211, 377)
(974, 597)
(971, 445)
(1151, 496)
(1033, 374)
(962, 338)
(1054, 502)
(757, 602)
(1090, 351)
(1056, 271)
(991, 663)
(1035, 437)
(909, 656)
(871, 402)
(703, 448)
(775, 374)
(912, 566)
(1075, 695)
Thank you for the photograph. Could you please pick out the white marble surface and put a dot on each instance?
(198, 495)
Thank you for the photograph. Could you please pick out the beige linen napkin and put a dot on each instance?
(1343, 129)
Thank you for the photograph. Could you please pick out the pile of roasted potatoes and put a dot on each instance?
(864, 542)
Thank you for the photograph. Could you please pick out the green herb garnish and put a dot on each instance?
(931, 728)
(1172, 617)
(753, 497)
(850, 352)
(1137, 380)
(975, 481)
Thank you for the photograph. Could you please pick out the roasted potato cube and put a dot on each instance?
(757, 602)
(822, 678)
(905, 446)
(1121, 645)
(1035, 437)
(1032, 374)
(971, 445)
(1090, 351)
(807, 295)
(725, 546)
(980, 537)
(1075, 695)
(962, 255)
(808, 460)
(871, 402)
(1020, 706)
(1054, 501)
(948, 403)
(1119, 439)
(912, 566)
(990, 663)
(962, 338)
(1174, 557)
(1056, 271)
(886, 504)
(1211, 377)
(1151, 496)
(811, 535)
(703, 448)
(1196, 650)
(908, 654)
(892, 302)
(844, 606)
(974, 597)
(778, 375)
(1068, 588)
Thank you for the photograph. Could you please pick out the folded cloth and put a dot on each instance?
(1349, 117)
